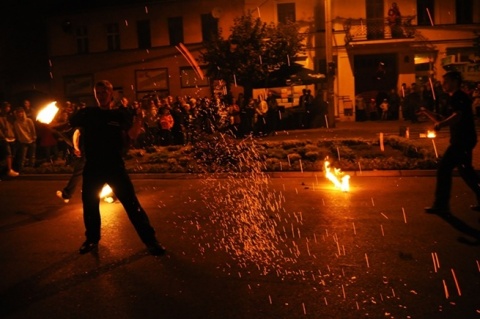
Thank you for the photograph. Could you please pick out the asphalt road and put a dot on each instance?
(244, 248)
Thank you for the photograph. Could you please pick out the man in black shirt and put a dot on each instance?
(104, 131)
(463, 138)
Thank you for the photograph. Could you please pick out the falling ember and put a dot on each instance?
(456, 282)
(47, 114)
(339, 182)
(447, 295)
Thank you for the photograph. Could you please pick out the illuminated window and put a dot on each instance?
(81, 36)
(286, 12)
(113, 37)
(143, 34)
(175, 30)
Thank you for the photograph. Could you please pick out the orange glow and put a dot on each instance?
(107, 194)
(431, 134)
(335, 176)
(47, 114)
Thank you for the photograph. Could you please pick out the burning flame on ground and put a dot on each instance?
(335, 176)
(107, 194)
(47, 114)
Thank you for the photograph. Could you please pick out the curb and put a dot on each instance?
(309, 174)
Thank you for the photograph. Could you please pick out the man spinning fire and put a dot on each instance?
(104, 132)
(463, 138)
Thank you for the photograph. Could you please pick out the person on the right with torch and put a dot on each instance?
(463, 138)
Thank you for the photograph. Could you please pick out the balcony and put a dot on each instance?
(377, 29)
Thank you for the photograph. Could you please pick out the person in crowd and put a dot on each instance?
(412, 103)
(152, 125)
(47, 143)
(104, 129)
(272, 114)
(234, 116)
(179, 115)
(305, 105)
(62, 142)
(261, 109)
(78, 163)
(166, 124)
(384, 108)
(463, 138)
(372, 110)
(426, 97)
(26, 137)
(27, 106)
(247, 116)
(476, 100)
(7, 138)
(394, 101)
(360, 108)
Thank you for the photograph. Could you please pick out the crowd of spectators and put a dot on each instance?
(166, 121)
(408, 100)
(179, 121)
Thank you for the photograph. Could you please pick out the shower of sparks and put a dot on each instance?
(244, 207)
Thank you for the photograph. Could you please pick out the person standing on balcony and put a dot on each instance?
(395, 21)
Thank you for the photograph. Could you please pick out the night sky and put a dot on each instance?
(23, 38)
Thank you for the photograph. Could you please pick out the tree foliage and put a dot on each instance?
(253, 50)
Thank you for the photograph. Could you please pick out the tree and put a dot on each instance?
(252, 51)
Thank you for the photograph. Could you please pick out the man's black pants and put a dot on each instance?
(94, 178)
(461, 158)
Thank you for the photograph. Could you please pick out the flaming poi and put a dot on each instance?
(107, 194)
(47, 114)
(340, 180)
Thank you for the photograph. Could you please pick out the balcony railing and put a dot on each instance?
(377, 29)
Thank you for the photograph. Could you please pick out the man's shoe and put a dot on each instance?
(475, 207)
(12, 173)
(60, 195)
(437, 210)
(156, 249)
(87, 247)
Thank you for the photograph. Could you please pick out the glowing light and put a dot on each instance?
(107, 194)
(47, 114)
(335, 176)
(431, 134)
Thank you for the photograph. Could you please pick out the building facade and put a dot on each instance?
(374, 54)
(136, 45)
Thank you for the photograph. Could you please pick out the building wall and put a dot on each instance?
(121, 66)
(432, 41)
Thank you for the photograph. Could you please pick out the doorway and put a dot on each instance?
(375, 72)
